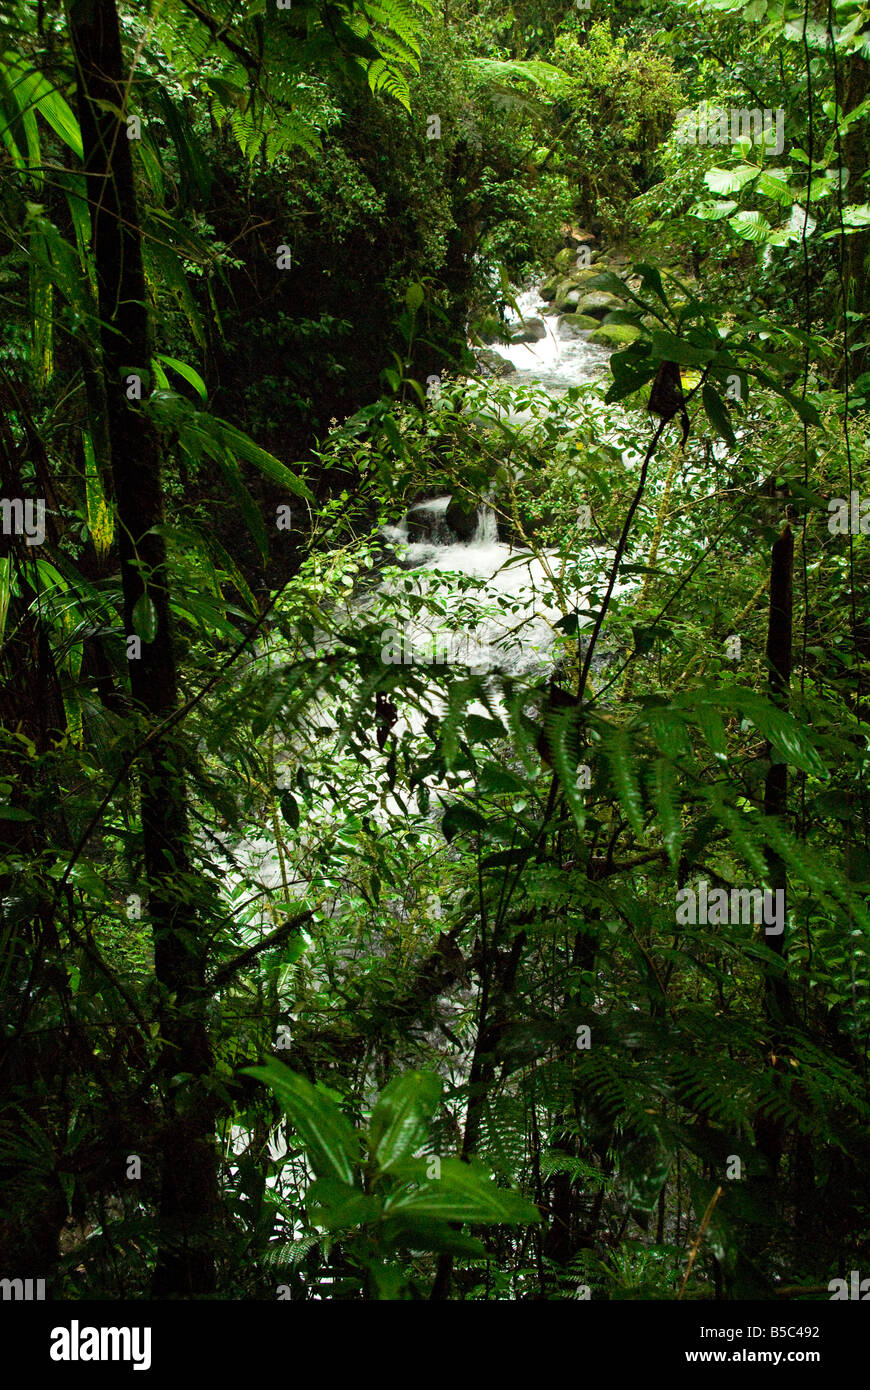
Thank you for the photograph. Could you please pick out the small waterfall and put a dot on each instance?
(552, 362)
(427, 521)
(486, 531)
(425, 528)
(514, 630)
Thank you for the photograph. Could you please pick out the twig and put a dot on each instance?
(705, 1221)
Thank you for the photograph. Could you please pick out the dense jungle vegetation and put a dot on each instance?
(531, 964)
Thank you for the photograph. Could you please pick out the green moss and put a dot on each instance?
(580, 322)
(491, 330)
(614, 334)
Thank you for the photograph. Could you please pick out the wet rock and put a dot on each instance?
(567, 294)
(491, 363)
(531, 330)
(614, 334)
(598, 303)
(578, 236)
(575, 325)
(462, 519)
(491, 330)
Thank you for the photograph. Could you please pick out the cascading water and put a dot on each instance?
(555, 363)
(502, 624)
(515, 631)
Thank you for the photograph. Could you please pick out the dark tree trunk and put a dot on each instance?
(498, 977)
(770, 1129)
(189, 1173)
(779, 657)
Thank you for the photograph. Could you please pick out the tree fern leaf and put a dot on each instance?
(664, 794)
(621, 757)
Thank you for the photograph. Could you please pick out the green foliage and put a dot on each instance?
(400, 1202)
(512, 1069)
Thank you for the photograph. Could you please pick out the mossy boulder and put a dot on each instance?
(491, 330)
(614, 334)
(492, 363)
(531, 330)
(574, 325)
(566, 259)
(548, 289)
(597, 303)
(568, 293)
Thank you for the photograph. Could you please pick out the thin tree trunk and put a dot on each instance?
(770, 1130)
(189, 1188)
(497, 984)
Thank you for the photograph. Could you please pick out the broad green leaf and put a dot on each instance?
(412, 1232)
(265, 462)
(713, 210)
(855, 218)
(333, 1206)
(399, 1122)
(145, 618)
(750, 225)
(717, 413)
(190, 375)
(652, 280)
(332, 1143)
(774, 183)
(856, 215)
(161, 380)
(35, 90)
(17, 110)
(730, 180)
(669, 348)
(462, 1193)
